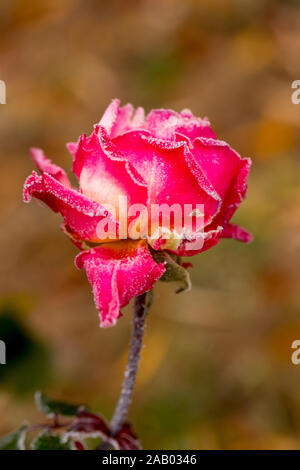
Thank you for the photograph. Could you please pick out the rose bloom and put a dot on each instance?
(163, 158)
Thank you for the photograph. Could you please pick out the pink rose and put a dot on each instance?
(166, 158)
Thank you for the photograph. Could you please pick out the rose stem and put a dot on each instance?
(120, 413)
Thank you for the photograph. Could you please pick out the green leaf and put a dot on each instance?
(51, 407)
(14, 440)
(174, 270)
(47, 441)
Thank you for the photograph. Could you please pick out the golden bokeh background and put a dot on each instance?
(216, 370)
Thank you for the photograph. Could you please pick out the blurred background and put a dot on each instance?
(216, 371)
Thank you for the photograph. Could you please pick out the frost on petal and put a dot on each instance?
(110, 116)
(227, 173)
(238, 190)
(199, 242)
(165, 168)
(219, 162)
(81, 215)
(162, 122)
(123, 121)
(138, 119)
(117, 120)
(193, 127)
(104, 175)
(234, 195)
(45, 165)
(233, 198)
(166, 162)
(118, 272)
(237, 233)
(165, 123)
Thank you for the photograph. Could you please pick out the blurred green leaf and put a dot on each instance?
(46, 441)
(51, 407)
(14, 440)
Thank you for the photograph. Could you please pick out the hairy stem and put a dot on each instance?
(121, 410)
(136, 342)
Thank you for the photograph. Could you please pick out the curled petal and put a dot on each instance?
(117, 120)
(237, 233)
(219, 162)
(238, 190)
(81, 215)
(118, 272)
(45, 165)
(234, 196)
(228, 174)
(110, 116)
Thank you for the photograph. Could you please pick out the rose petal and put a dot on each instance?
(238, 190)
(123, 120)
(138, 119)
(80, 214)
(45, 165)
(103, 176)
(110, 116)
(235, 195)
(118, 272)
(199, 242)
(117, 120)
(165, 123)
(219, 162)
(237, 233)
(169, 172)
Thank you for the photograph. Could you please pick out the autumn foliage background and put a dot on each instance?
(216, 371)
